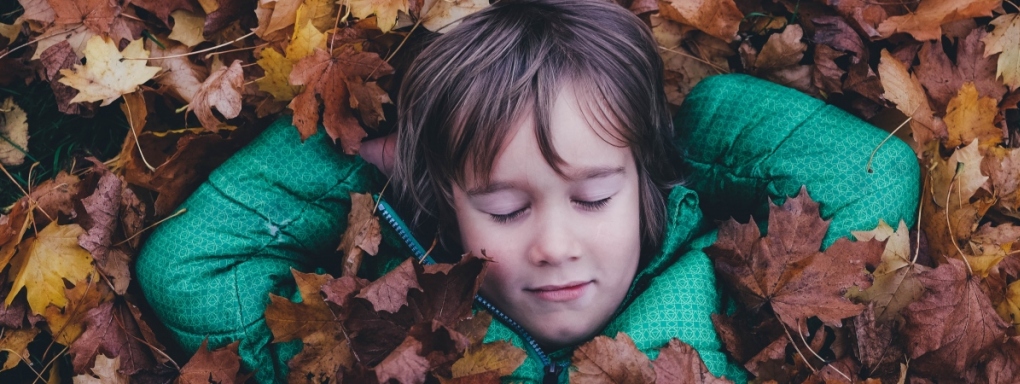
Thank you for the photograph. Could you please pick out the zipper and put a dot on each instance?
(551, 370)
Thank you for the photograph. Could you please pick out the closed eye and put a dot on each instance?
(593, 205)
(506, 218)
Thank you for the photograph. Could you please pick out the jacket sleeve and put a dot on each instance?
(277, 204)
(746, 140)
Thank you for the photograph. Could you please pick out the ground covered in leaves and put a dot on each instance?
(179, 85)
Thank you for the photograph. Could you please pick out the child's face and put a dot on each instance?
(565, 248)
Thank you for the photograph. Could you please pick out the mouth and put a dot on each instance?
(561, 293)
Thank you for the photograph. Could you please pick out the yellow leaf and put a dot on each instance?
(11, 31)
(962, 173)
(43, 262)
(441, 15)
(14, 133)
(903, 89)
(277, 67)
(896, 284)
(322, 14)
(501, 357)
(108, 73)
(105, 371)
(74, 34)
(1005, 39)
(1009, 309)
(385, 11)
(187, 28)
(15, 342)
(969, 117)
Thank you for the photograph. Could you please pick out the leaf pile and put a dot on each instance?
(197, 79)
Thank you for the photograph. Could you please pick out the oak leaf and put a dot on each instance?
(15, 343)
(105, 371)
(925, 22)
(327, 77)
(895, 279)
(222, 365)
(969, 117)
(952, 324)
(441, 15)
(187, 28)
(904, 90)
(786, 270)
(717, 18)
(109, 73)
(13, 133)
(680, 363)
(1005, 40)
(611, 360)
(44, 261)
(385, 11)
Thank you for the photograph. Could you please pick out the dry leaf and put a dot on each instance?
(222, 366)
(187, 28)
(105, 371)
(442, 15)
(1009, 308)
(680, 363)
(970, 118)
(181, 78)
(67, 324)
(904, 90)
(43, 262)
(895, 279)
(15, 343)
(1005, 40)
(385, 11)
(362, 235)
(96, 15)
(221, 90)
(107, 74)
(13, 133)
(278, 67)
(924, 22)
(719, 18)
(606, 360)
(499, 357)
(110, 329)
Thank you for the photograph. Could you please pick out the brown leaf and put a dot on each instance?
(969, 117)
(943, 79)
(952, 324)
(221, 90)
(475, 327)
(105, 371)
(53, 59)
(67, 324)
(786, 270)
(222, 365)
(362, 235)
(606, 360)
(1000, 164)
(904, 90)
(15, 343)
(687, 60)
(838, 371)
(404, 364)
(181, 78)
(873, 340)
(55, 198)
(773, 352)
(782, 49)
(163, 8)
(99, 219)
(679, 363)
(389, 293)
(895, 279)
(836, 33)
(38, 10)
(96, 15)
(499, 357)
(225, 13)
(1003, 365)
(924, 22)
(111, 330)
(275, 16)
(717, 18)
(326, 77)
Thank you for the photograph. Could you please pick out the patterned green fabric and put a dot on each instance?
(278, 202)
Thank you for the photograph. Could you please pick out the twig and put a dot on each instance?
(920, 209)
(790, 337)
(27, 195)
(806, 345)
(873, 152)
(28, 363)
(131, 123)
(38, 39)
(192, 53)
(949, 227)
(178, 213)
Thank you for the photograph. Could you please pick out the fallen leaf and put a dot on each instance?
(221, 90)
(275, 16)
(326, 77)
(1000, 164)
(499, 357)
(1009, 308)
(925, 21)
(13, 133)
(362, 235)
(834, 32)
(224, 14)
(96, 15)
(110, 329)
(949, 327)
(67, 324)
(405, 364)
(717, 18)
(442, 15)
(44, 261)
(15, 343)
(895, 279)
(389, 293)
(222, 365)
(38, 10)
(181, 78)
(322, 14)
(786, 270)
(943, 78)
(1003, 365)
(903, 89)
(278, 67)
(782, 49)
(1005, 40)
(105, 371)
(54, 198)
(680, 363)
(385, 11)
(163, 9)
(687, 61)
(611, 360)
(77, 36)
(187, 28)
(872, 339)
(54, 59)
(106, 74)
(970, 118)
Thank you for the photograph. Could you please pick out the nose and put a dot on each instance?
(554, 240)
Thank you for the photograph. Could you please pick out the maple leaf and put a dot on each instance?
(786, 270)
(14, 133)
(38, 10)
(111, 329)
(45, 261)
(611, 360)
(221, 90)
(180, 77)
(67, 324)
(1000, 164)
(54, 59)
(105, 371)
(278, 67)
(187, 28)
(327, 77)
(54, 197)
(99, 218)
(1003, 365)
(903, 89)
(953, 183)
(405, 364)
(873, 339)
(12, 230)
(275, 16)
(442, 15)
(948, 328)
(15, 342)
(500, 357)
(97, 15)
(76, 36)
(895, 279)
(925, 22)
(222, 365)
(680, 363)
(385, 11)
(163, 9)
(717, 18)
(107, 74)
(969, 117)
(362, 235)
(1005, 40)
(680, 57)
(943, 78)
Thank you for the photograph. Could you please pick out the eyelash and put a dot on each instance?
(588, 205)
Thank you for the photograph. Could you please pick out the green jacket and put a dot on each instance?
(279, 202)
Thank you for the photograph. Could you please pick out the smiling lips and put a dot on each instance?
(561, 293)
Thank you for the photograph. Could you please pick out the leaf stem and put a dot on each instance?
(949, 227)
(794, 343)
(873, 152)
(178, 213)
(38, 39)
(131, 123)
(193, 53)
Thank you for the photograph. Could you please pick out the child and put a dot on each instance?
(537, 133)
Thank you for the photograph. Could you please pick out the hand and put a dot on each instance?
(379, 152)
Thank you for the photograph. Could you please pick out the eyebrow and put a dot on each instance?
(582, 174)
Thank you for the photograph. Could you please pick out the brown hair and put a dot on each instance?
(461, 96)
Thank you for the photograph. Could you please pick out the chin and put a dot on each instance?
(569, 334)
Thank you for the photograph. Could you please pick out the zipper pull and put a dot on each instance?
(552, 374)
